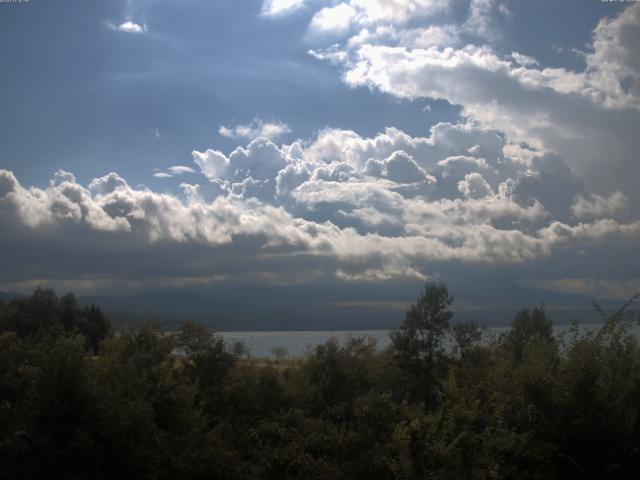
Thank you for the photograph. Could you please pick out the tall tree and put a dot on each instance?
(528, 327)
(418, 342)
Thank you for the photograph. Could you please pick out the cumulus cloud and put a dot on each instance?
(338, 19)
(335, 19)
(503, 185)
(614, 66)
(107, 184)
(62, 176)
(337, 206)
(64, 201)
(433, 35)
(397, 11)
(277, 7)
(590, 233)
(257, 128)
(474, 186)
(459, 165)
(586, 116)
(398, 167)
(246, 171)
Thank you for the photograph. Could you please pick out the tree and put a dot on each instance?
(94, 325)
(527, 328)
(208, 363)
(194, 338)
(37, 315)
(418, 342)
(467, 337)
(69, 311)
(419, 339)
(45, 316)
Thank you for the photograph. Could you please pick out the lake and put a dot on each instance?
(260, 344)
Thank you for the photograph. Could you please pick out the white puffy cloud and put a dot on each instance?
(459, 165)
(589, 233)
(474, 186)
(398, 167)
(614, 63)
(503, 185)
(335, 19)
(339, 19)
(107, 184)
(277, 7)
(257, 128)
(261, 159)
(433, 35)
(311, 209)
(397, 11)
(129, 27)
(429, 72)
(212, 163)
(62, 176)
(520, 183)
(62, 202)
(586, 116)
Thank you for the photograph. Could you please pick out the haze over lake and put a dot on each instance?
(297, 344)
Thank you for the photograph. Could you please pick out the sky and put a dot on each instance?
(354, 149)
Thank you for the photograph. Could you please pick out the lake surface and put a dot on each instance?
(260, 344)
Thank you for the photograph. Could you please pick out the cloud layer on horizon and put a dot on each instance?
(339, 206)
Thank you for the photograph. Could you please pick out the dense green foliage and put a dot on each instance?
(77, 401)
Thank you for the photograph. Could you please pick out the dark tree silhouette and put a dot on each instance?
(418, 342)
(528, 327)
(74, 404)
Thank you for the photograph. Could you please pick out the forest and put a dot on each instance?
(444, 401)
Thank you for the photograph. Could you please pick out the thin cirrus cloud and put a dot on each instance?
(173, 171)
